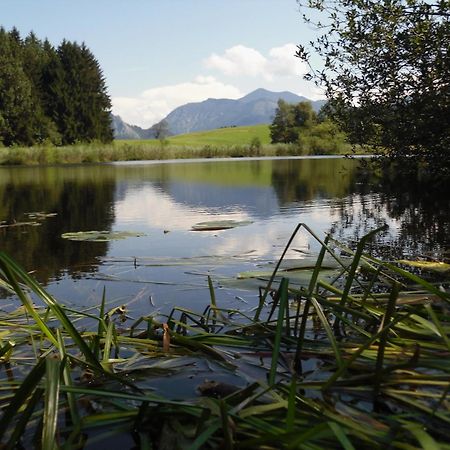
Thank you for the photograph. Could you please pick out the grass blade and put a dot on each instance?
(424, 439)
(329, 332)
(291, 411)
(342, 437)
(13, 270)
(52, 383)
(283, 290)
(28, 385)
(390, 309)
(22, 423)
(311, 287)
(355, 263)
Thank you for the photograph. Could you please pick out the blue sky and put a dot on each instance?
(159, 54)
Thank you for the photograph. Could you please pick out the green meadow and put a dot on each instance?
(220, 137)
(233, 142)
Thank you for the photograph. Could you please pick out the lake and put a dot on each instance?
(164, 262)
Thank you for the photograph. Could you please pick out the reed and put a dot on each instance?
(151, 150)
(381, 378)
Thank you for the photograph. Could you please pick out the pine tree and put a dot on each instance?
(35, 58)
(76, 95)
(16, 103)
(57, 96)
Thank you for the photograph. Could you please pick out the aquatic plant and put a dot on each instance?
(356, 361)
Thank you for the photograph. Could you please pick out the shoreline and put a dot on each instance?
(138, 153)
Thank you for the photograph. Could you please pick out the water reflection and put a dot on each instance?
(81, 200)
(417, 209)
(165, 200)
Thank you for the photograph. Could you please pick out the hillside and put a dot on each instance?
(258, 107)
(255, 108)
(224, 137)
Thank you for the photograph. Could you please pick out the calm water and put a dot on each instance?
(169, 264)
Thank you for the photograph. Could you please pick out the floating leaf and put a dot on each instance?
(40, 215)
(100, 236)
(216, 225)
(19, 224)
(435, 266)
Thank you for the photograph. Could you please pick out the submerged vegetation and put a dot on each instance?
(356, 361)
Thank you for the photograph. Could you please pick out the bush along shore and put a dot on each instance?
(358, 361)
(165, 150)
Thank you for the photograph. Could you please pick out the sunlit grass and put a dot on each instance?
(222, 137)
(234, 142)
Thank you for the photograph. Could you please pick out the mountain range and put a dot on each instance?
(255, 108)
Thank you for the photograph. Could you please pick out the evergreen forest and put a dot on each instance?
(50, 95)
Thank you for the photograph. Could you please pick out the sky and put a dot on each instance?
(160, 54)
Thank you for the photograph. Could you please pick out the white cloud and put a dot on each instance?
(283, 62)
(154, 104)
(156, 209)
(237, 61)
(240, 60)
(245, 70)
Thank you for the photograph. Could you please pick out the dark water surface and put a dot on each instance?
(169, 265)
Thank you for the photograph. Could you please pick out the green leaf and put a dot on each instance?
(216, 225)
(342, 437)
(424, 439)
(21, 396)
(52, 383)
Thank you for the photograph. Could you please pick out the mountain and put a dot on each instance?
(258, 107)
(255, 108)
(123, 130)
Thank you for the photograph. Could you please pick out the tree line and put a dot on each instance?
(50, 95)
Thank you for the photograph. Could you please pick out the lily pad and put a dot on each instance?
(100, 236)
(216, 225)
(40, 215)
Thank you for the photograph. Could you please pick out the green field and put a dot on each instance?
(219, 137)
(235, 142)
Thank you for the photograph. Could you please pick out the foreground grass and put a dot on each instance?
(222, 143)
(361, 362)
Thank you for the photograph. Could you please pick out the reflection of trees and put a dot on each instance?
(80, 205)
(83, 199)
(419, 207)
(311, 179)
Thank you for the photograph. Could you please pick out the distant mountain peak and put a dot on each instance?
(257, 107)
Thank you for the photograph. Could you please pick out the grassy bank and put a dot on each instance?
(358, 362)
(223, 143)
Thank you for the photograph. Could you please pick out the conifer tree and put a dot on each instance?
(58, 96)
(16, 105)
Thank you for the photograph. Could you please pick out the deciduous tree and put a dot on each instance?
(290, 119)
(385, 66)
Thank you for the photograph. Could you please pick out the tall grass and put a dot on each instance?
(221, 143)
(378, 379)
(123, 151)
